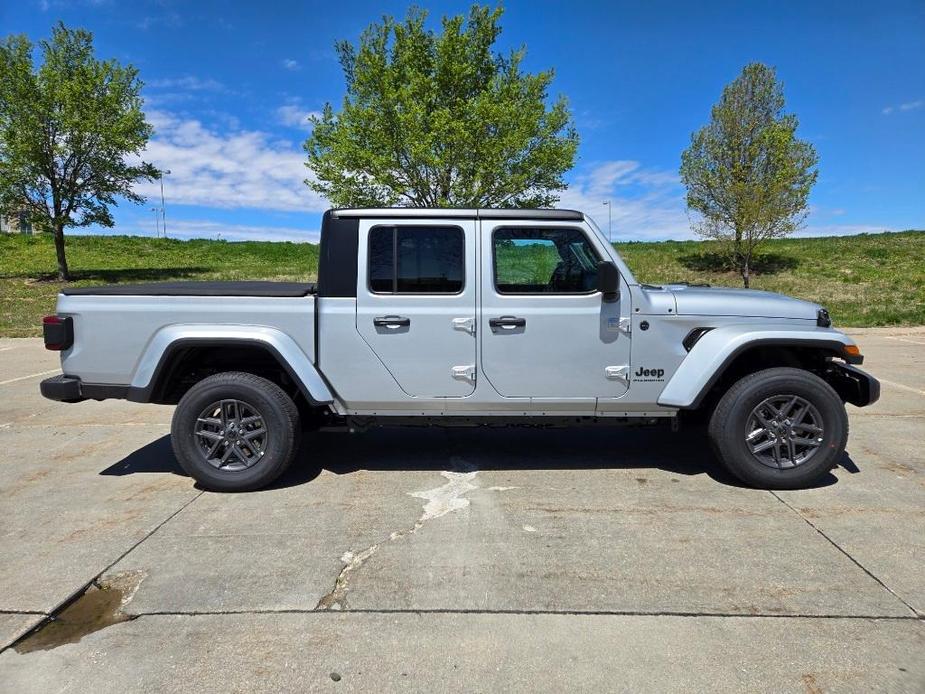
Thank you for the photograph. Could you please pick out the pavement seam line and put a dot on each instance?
(26, 378)
(908, 389)
(886, 415)
(901, 339)
(847, 554)
(577, 613)
(49, 616)
(89, 425)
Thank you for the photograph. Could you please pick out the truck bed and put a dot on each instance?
(248, 288)
(118, 330)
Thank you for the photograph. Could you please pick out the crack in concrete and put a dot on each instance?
(447, 497)
(337, 598)
(441, 500)
(915, 612)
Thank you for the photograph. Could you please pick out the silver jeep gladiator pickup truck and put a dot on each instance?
(462, 317)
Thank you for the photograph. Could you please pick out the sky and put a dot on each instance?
(229, 86)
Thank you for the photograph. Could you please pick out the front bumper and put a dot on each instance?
(71, 389)
(853, 385)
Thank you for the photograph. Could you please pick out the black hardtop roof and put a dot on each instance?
(457, 213)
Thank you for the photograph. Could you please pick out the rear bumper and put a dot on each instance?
(71, 389)
(853, 385)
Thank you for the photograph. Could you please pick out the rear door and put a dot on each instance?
(546, 331)
(416, 300)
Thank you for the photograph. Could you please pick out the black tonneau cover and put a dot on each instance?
(269, 289)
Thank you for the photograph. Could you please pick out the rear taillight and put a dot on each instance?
(58, 332)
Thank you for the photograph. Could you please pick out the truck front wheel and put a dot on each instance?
(235, 432)
(779, 428)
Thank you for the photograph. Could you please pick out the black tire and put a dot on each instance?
(730, 419)
(278, 416)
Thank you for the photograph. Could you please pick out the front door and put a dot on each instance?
(545, 330)
(416, 303)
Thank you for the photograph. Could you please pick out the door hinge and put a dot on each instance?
(618, 373)
(464, 373)
(465, 324)
(617, 324)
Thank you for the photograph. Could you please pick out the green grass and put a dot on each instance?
(876, 279)
(531, 264)
(28, 262)
(866, 280)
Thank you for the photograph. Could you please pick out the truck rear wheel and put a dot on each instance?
(235, 432)
(779, 428)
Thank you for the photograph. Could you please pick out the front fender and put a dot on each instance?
(716, 349)
(171, 337)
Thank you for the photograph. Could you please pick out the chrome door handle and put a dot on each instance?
(507, 322)
(391, 322)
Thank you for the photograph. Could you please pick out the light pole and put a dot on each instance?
(157, 226)
(165, 172)
(609, 221)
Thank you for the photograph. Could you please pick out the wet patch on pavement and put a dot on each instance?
(98, 607)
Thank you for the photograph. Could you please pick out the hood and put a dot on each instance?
(724, 301)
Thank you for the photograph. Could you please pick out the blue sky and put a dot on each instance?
(229, 85)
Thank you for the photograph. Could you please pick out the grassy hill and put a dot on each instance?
(875, 279)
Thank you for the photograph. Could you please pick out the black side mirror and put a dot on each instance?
(608, 281)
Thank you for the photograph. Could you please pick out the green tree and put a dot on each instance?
(748, 176)
(71, 134)
(440, 120)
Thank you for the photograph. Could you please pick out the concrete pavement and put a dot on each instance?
(464, 559)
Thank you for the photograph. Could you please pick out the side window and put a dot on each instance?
(382, 259)
(416, 260)
(544, 261)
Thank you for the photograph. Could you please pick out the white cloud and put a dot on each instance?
(170, 19)
(605, 176)
(223, 166)
(189, 83)
(237, 169)
(45, 5)
(907, 106)
(291, 64)
(295, 116)
(647, 204)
